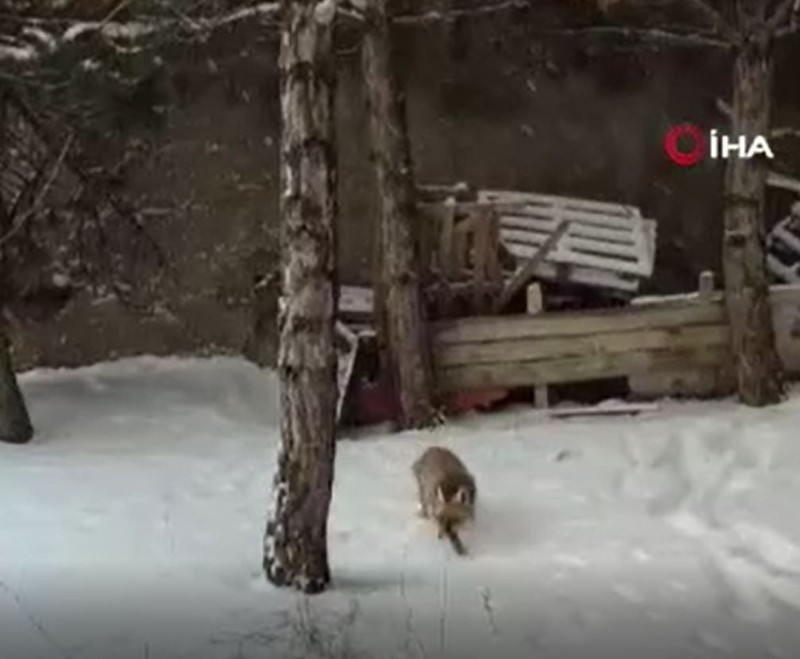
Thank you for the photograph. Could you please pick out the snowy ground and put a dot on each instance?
(131, 528)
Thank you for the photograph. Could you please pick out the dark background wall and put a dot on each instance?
(488, 103)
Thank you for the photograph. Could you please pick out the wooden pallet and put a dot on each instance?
(607, 244)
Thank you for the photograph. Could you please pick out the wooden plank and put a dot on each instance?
(469, 207)
(588, 276)
(534, 305)
(615, 249)
(603, 410)
(546, 226)
(576, 369)
(356, 300)
(524, 274)
(436, 193)
(705, 284)
(446, 260)
(779, 295)
(346, 357)
(599, 221)
(515, 196)
(578, 323)
(494, 267)
(637, 268)
(537, 349)
(481, 247)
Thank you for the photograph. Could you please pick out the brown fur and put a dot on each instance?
(447, 492)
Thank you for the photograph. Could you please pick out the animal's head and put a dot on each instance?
(455, 505)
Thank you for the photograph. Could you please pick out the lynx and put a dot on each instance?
(447, 492)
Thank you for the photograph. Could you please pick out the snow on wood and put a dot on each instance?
(347, 348)
(777, 180)
(356, 300)
(607, 244)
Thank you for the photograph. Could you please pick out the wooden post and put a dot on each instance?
(705, 284)
(535, 304)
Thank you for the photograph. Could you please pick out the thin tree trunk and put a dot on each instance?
(401, 313)
(758, 368)
(15, 424)
(295, 543)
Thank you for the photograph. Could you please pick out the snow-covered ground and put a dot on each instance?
(131, 528)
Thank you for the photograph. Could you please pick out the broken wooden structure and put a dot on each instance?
(480, 250)
(674, 345)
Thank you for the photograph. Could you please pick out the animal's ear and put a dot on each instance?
(462, 496)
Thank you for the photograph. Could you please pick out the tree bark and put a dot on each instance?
(400, 309)
(295, 542)
(15, 424)
(758, 368)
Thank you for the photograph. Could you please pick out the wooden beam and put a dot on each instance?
(576, 369)
(579, 323)
(527, 271)
(589, 345)
(604, 410)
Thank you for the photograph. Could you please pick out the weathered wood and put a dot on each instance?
(431, 193)
(295, 542)
(575, 369)
(404, 312)
(608, 209)
(607, 245)
(590, 344)
(470, 207)
(446, 259)
(538, 228)
(603, 410)
(534, 302)
(758, 368)
(524, 274)
(577, 323)
(356, 301)
(706, 284)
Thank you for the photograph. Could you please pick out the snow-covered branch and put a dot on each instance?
(36, 40)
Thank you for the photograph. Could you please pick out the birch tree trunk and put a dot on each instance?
(295, 542)
(402, 318)
(758, 367)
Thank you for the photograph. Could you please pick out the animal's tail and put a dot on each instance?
(455, 541)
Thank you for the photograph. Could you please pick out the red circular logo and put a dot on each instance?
(684, 158)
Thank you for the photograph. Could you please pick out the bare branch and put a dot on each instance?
(725, 108)
(20, 221)
(453, 14)
(787, 31)
(783, 15)
(784, 131)
(665, 36)
(713, 18)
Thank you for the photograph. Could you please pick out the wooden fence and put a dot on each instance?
(669, 336)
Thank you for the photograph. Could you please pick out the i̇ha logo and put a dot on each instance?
(695, 146)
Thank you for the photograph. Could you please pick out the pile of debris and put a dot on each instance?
(493, 252)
